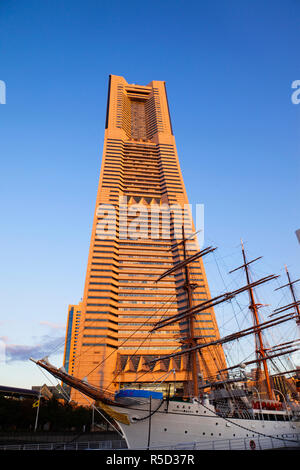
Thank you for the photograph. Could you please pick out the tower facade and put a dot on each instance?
(140, 210)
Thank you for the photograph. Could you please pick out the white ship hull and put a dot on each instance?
(194, 426)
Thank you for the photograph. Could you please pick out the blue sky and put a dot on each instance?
(228, 67)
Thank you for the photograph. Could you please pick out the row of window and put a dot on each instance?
(170, 348)
(100, 344)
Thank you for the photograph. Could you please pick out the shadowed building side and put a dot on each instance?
(74, 313)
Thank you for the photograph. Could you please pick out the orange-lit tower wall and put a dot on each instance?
(121, 299)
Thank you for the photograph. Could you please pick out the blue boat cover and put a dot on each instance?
(139, 393)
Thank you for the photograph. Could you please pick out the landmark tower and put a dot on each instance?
(141, 210)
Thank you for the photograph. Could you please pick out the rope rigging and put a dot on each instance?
(213, 350)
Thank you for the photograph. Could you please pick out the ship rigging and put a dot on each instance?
(234, 403)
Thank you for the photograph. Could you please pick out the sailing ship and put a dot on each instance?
(223, 410)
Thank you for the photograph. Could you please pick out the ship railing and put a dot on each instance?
(116, 444)
(289, 441)
(245, 413)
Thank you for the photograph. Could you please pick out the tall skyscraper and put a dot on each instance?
(140, 209)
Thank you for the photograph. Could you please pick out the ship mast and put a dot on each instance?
(191, 341)
(296, 303)
(260, 349)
